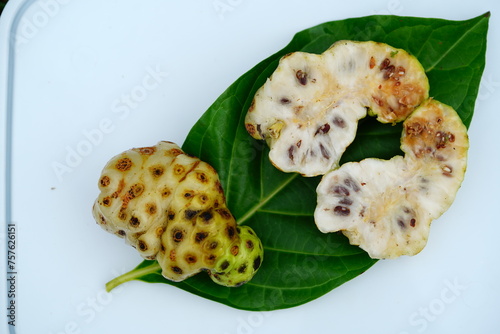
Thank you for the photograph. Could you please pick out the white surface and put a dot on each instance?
(74, 65)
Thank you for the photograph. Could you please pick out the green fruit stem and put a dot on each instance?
(135, 273)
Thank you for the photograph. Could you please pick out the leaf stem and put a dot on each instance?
(132, 275)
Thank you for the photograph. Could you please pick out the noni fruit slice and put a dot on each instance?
(386, 206)
(171, 207)
(308, 110)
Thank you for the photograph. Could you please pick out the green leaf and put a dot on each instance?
(300, 263)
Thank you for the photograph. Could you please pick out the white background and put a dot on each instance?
(74, 65)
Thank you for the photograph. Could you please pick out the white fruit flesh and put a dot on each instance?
(308, 110)
(386, 206)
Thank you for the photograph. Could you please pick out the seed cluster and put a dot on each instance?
(171, 207)
(386, 206)
(309, 108)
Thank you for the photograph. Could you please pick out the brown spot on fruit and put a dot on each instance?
(224, 265)
(301, 77)
(249, 244)
(413, 222)
(157, 171)
(173, 255)
(105, 181)
(250, 129)
(106, 201)
(145, 150)
(166, 192)
(200, 236)
(190, 214)
(124, 164)
(134, 222)
(206, 216)
(235, 250)
(230, 231)
(177, 235)
(177, 270)
(159, 231)
(178, 169)
(190, 258)
(151, 208)
(136, 190)
(242, 268)
(225, 213)
(142, 245)
(284, 100)
(202, 177)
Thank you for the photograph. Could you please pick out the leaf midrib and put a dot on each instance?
(457, 42)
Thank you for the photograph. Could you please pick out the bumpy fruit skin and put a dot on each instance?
(308, 110)
(171, 207)
(387, 206)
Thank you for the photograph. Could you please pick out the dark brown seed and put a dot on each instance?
(301, 77)
(383, 65)
(124, 164)
(389, 72)
(290, 152)
(122, 233)
(188, 194)
(345, 201)
(413, 222)
(284, 100)
(105, 181)
(341, 211)
(339, 122)
(352, 184)
(341, 190)
(324, 129)
(257, 262)
(324, 152)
